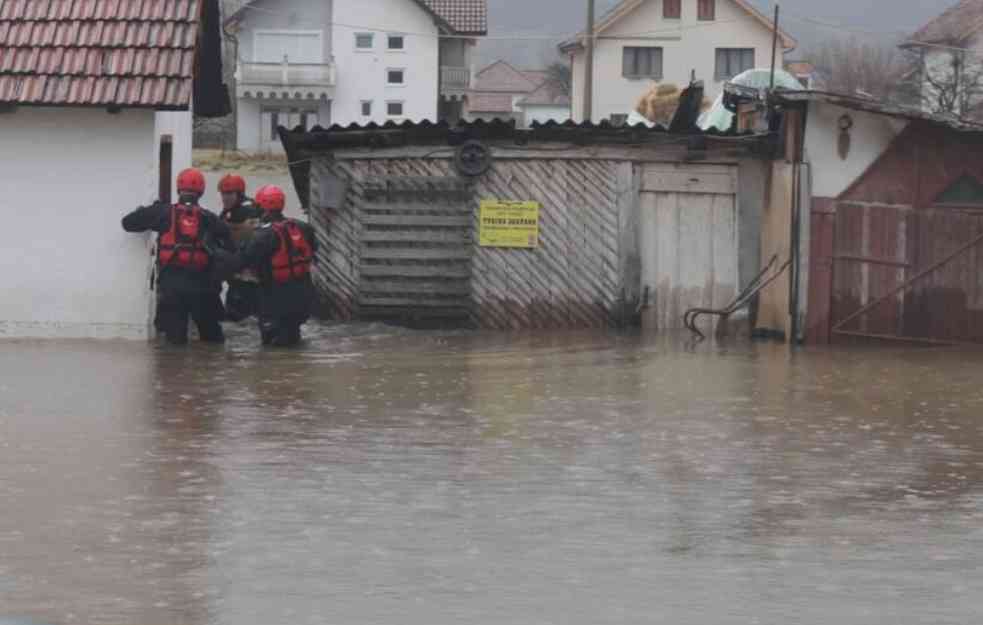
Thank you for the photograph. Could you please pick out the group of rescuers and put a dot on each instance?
(265, 257)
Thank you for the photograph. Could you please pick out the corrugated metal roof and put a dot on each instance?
(953, 26)
(135, 53)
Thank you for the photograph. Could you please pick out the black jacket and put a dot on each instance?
(244, 212)
(291, 299)
(215, 236)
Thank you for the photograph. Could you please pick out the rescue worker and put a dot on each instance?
(282, 252)
(188, 239)
(242, 216)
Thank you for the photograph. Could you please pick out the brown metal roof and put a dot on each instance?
(134, 53)
(954, 26)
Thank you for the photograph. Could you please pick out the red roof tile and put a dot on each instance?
(98, 52)
(466, 17)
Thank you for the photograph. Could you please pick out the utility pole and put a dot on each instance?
(774, 50)
(589, 65)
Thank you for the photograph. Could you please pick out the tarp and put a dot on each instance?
(720, 118)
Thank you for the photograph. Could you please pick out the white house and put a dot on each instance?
(501, 91)
(325, 62)
(91, 97)
(670, 41)
(949, 50)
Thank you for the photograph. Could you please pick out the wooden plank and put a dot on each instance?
(417, 236)
(689, 181)
(432, 221)
(723, 277)
(428, 287)
(872, 261)
(456, 271)
(416, 207)
(410, 253)
(629, 237)
(414, 302)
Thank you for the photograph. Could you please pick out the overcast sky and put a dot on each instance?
(884, 19)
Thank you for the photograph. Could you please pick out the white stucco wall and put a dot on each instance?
(870, 136)
(542, 113)
(362, 75)
(688, 44)
(306, 15)
(69, 175)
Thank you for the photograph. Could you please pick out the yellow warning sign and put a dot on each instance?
(509, 224)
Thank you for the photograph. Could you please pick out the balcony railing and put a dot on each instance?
(286, 74)
(455, 78)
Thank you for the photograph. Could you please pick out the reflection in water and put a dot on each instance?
(397, 477)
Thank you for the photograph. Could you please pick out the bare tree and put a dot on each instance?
(853, 67)
(950, 81)
(560, 74)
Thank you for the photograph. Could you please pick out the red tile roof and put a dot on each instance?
(954, 26)
(133, 53)
(462, 17)
(466, 17)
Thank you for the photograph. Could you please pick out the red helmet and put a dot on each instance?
(271, 198)
(191, 181)
(232, 183)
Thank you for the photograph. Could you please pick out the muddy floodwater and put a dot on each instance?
(395, 477)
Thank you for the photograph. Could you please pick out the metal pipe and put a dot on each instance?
(589, 65)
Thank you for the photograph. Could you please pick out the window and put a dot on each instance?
(395, 77)
(706, 10)
(366, 108)
(394, 109)
(364, 41)
(642, 63)
(397, 42)
(672, 9)
(733, 61)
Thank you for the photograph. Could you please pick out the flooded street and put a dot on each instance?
(395, 477)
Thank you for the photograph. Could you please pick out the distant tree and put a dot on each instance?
(560, 74)
(853, 67)
(949, 81)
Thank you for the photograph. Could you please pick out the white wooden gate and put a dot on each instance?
(689, 240)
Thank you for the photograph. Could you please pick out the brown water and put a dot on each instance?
(383, 476)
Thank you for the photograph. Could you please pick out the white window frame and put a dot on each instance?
(401, 103)
(361, 108)
(363, 34)
(396, 85)
(389, 36)
(280, 31)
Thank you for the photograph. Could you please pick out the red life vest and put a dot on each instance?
(182, 246)
(294, 255)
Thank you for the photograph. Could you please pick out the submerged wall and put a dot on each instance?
(626, 237)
